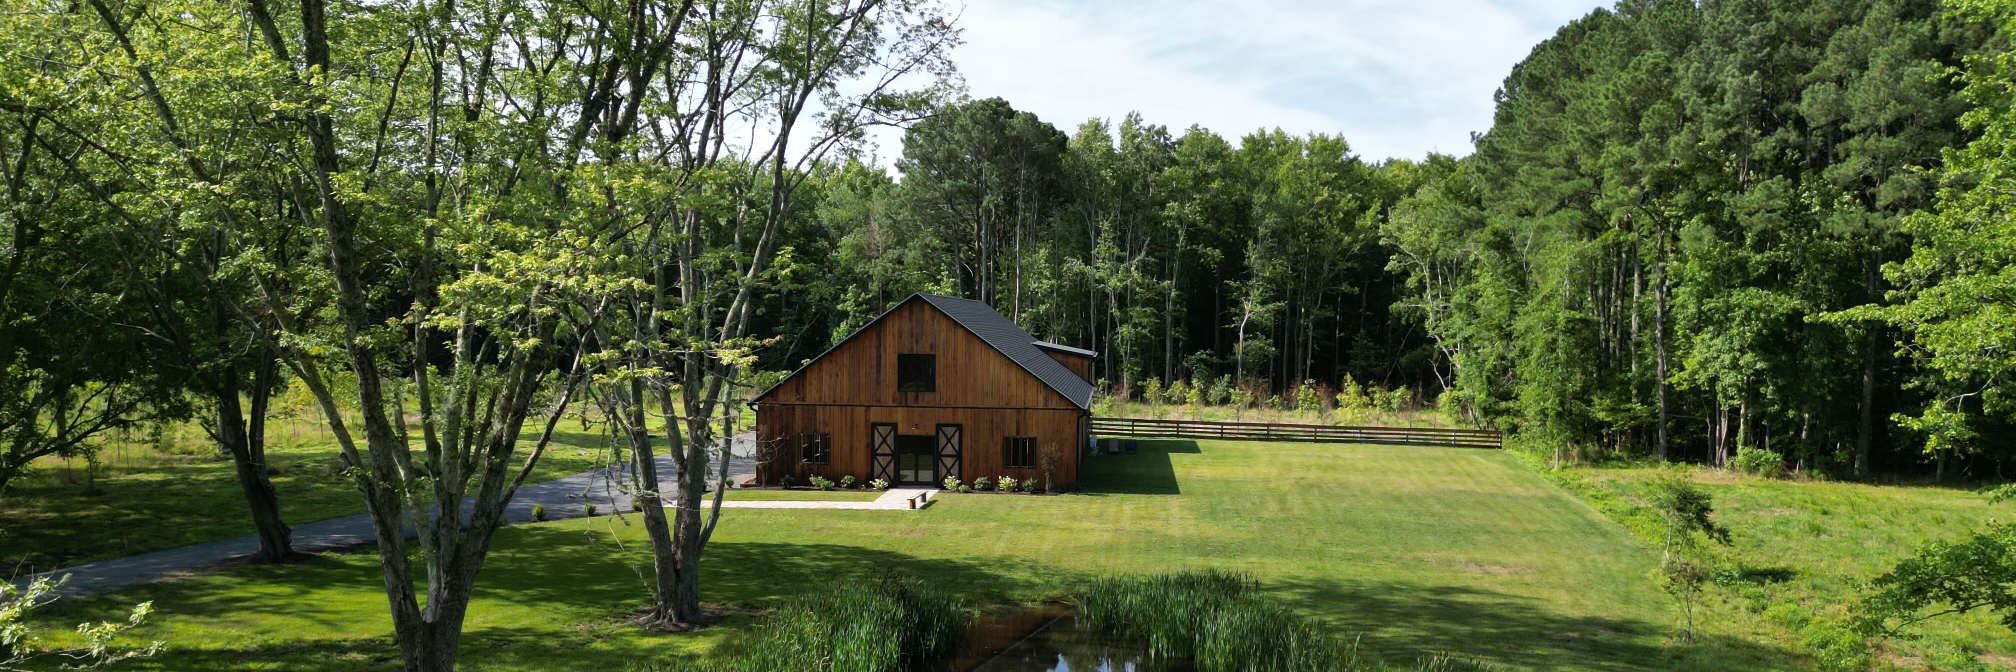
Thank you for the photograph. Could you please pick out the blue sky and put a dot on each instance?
(1397, 79)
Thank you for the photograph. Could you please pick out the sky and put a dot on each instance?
(1396, 79)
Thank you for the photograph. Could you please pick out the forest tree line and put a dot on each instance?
(1693, 229)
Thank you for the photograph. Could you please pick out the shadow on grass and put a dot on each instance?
(578, 589)
(1146, 471)
(1405, 623)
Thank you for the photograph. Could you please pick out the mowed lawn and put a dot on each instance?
(151, 497)
(1417, 551)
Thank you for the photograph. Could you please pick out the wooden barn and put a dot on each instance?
(936, 388)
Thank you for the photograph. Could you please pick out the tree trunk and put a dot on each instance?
(1659, 442)
(650, 501)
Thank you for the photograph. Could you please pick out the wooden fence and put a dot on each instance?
(1271, 431)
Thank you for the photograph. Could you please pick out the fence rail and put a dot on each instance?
(1272, 431)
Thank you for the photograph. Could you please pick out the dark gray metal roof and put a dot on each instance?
(1017, 344)
(1081, 352)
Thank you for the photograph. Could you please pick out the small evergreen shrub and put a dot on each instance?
(539, 512)
(589, 510)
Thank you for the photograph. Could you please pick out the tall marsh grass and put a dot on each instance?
(890, 625)
(1221, 622)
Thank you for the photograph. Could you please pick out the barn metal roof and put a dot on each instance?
(1018, 345)
(1081, 352)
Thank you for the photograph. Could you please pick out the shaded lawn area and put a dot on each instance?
(150, 499)
(1809, 546)
(1419, 550)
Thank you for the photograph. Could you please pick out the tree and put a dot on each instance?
(19, 645)
(1687, 513)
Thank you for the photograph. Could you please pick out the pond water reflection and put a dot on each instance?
(1053, 639)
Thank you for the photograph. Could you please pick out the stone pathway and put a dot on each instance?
(566, 497)
(893, 499)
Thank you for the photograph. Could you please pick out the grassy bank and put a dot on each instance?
(1414, 551)
(1802, 551)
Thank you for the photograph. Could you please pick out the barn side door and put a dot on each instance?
(950, 438)
(882, 449)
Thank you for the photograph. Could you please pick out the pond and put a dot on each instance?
(1052, 639)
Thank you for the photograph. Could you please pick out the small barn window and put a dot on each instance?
(1019, 452)
(917, 373)
(816, 448)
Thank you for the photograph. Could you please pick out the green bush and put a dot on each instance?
(847, 482)
(951, 483)
(822, 483)
(983, 484)
(539, 512)
(1760, 462)
(891, 625)
(589, 510)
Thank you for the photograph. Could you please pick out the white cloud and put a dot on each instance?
(1395, 78)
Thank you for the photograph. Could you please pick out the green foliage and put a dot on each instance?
(1008, 484)
(894, 624)
(20, 646)
(538, 512)
(951, 483)
(1759, 462)
(983, 483)
(1218, 620)
(878, 484)
(847, 482)
(1946, 577)
(822, 482)
(1688, 514)
(1307, 398)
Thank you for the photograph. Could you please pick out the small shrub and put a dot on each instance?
(589, 510)
(1306, 398)
(847, 482)
(965, 488)
(983, 484)
(822, 483)
(539, 512)
(1759, 462)
(951, 483)
(1396, 399)
(879, 484)
(1008, 484)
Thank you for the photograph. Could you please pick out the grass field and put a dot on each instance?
(1810, 545)
(1417, 550)
(176, 492)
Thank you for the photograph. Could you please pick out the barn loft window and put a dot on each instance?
(1019, 452)
(917, 373)
(816, 448)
